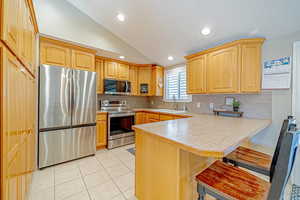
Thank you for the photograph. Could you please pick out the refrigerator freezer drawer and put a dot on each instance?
(63, 145)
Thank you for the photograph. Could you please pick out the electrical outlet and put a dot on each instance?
(198, 105)
(152, 102)
(211, 106)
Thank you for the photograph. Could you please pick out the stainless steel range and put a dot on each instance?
(120, 122)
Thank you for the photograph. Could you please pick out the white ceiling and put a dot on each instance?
(159, 28)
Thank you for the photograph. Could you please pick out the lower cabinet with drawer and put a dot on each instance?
(101, 135)
(143, 117)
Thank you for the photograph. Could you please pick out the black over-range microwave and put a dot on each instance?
(117, 87)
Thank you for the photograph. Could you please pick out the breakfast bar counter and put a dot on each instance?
(170, 153)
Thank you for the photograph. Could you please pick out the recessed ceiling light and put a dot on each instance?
(121, 17)
(205, 31)
(122, 57)
(170, 58)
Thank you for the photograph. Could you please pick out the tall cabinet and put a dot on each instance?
(17, 98)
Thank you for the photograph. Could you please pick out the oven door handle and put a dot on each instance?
(121, 115)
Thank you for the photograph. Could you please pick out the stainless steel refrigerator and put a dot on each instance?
(67, 114)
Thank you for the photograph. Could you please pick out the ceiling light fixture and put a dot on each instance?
(122, 57)
(205, 31)
(170, 58)
(121, 17)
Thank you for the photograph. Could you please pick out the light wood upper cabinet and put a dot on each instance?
(196, 75)
(251, 67)
(99, 67)
(18, 31)
(157, 81)
(223, 72)
(123, 71)
(133, 78)
(145, 77)
(11, 13)
(234, 67)
(110, 70)
(83, 60)
(52, 54)
(58, 53)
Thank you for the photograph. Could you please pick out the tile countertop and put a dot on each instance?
(205, 135)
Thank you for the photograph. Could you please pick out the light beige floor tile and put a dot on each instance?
(106, 191)
(105, 156)
(117, 170)
(68, 189)
(119, 197)
(129, 194)
(124, 182)
(80, 196)
(44, 194)
(89, 165)
(97, 178)
(66, 166)
(42, 180)
(101, 151)
(66, 175)
(109, 162)
(130, 164)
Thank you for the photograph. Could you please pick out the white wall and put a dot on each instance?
(60, 19)
(281, 99)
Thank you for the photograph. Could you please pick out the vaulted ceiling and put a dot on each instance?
(159, 28)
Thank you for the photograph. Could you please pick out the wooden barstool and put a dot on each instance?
(226, 182)
(258, 161)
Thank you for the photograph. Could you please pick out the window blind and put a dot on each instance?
(176, 85)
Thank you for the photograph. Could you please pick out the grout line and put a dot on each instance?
(82, 178)
(54, 189)
(112, 177)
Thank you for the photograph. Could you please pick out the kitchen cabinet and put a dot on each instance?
(152, 117)
(101, 136)
(83, 60)
(110, 70)
(58, 53)
(18, 119)
(157, 81)
(223, 72)
(18, 31)
(10, 26)
(99, 67)
(133, 78)
(115, 70)
(143, 117)
(123, 71)
(234, 67)
(52, 54)
(196, 75)
(140, 118)
(163, 117)
(145, 77)
(251, 68)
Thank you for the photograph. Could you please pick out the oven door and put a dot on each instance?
(120, 125)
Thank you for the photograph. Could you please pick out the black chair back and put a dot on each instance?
(284, 164)
(287, 125)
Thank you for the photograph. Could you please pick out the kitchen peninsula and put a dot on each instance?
(170, 153)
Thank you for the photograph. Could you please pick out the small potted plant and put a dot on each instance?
(236, 105)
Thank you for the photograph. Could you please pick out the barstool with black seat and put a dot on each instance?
(226, 182)
(258, 161)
